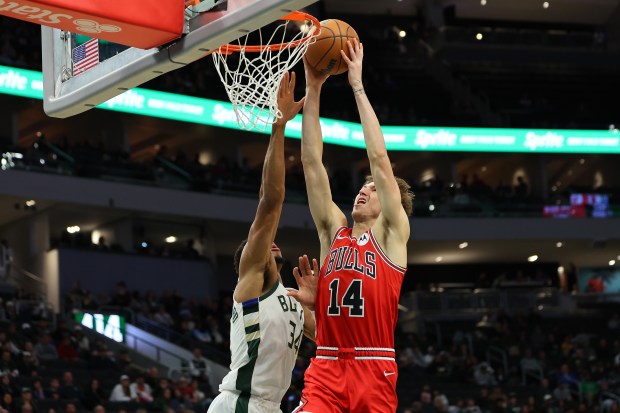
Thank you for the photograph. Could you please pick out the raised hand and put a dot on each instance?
(287, 105)
(307, 279)
(313, 77)
(356, 49)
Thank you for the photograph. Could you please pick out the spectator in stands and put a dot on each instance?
(214, 330)
(184, 388)
(566, 376)
(161, 386)
(38, 393)
(198, 397)
(68, 389)
(123, 392)
(167, 402)
(101, 244)
(142, 389)
(198, 366)
(101, 356)
(6, 260)
(62, 331)
(80, 342)
(70, 407)
(520, 190)
(66, 350)
(53, 390)
(163, 317)
(7, 364)
(484, 375)
(28, 367)
(123, 362)
(562, 392)
(152, 378)
(93, 395)
(28, 400)
(89, 302)
(426, 405)
(122, 297)
(472, 407)
(8, 403)
(440, 404)
(529, 364)
(45, 349)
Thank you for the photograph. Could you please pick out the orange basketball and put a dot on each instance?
(324, 54)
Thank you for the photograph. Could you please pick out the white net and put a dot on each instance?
(252, 78)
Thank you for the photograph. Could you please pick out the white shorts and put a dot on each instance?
(226, 402)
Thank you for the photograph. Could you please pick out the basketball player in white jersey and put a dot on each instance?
(266, 325)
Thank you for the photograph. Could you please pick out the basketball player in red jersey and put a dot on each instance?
(355, 296)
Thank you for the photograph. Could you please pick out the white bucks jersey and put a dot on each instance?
(265, 334)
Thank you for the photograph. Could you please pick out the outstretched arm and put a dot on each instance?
(306, 278)
(256, 253)
(325, 213)
(396, 222)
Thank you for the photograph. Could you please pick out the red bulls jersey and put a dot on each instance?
(357, 295)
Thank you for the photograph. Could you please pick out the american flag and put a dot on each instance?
(85, 56)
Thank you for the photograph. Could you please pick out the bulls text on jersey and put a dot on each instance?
(348, 258)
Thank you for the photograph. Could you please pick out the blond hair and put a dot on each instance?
(406, 195)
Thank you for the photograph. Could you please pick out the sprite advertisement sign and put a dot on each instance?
(144, 102)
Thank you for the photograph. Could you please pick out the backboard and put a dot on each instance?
(118, 68)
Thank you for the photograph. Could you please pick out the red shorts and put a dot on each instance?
(350, 381)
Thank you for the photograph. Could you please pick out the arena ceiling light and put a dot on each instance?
(546, 5)
(402, 33)
(559, 244)
(612, 262)
(73, 229)
(463, 245)
(439, 259)
(532, 258)
(479, 36)
(171, 239)
(483, 2)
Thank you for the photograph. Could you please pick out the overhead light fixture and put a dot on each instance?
(483, 2)
(546, 5)
(479, 36)
(463, 245)
(402, 33)
(559, 244)
(532, 258)
(30, 203)
(144, 244)
(612, 262)
(73, 229)
(171, 239)
(582, 161)
(431, 207)
(438, 259)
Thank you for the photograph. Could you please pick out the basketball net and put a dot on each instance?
(252, 78)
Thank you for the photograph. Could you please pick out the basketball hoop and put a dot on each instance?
(252, 77)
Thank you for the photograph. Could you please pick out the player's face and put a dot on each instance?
(366, 203)
(277, 256)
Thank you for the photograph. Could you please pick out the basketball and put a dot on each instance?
(324, 54)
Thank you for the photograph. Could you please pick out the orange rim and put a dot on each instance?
(295, 16)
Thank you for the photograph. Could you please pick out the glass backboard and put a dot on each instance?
(76, 80)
